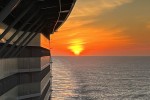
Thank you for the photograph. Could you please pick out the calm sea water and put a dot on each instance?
(101, 78)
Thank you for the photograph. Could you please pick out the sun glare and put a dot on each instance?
(76, 49)
(76, 46)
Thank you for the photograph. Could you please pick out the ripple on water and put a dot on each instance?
(101, 79)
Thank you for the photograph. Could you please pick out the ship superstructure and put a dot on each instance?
(25, 58)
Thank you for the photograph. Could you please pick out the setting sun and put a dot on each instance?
(76, 46)
(76, 49)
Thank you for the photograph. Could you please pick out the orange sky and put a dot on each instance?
(105, 28)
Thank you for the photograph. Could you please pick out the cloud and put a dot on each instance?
(148, 26)
(87, 12)
(95, 7)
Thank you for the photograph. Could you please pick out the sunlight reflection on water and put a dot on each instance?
(63, 84)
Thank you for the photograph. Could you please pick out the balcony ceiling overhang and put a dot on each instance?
(54, 13)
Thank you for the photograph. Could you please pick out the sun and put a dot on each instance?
(76, 46)
(76, 49)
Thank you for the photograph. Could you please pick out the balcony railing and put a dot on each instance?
(11, 66)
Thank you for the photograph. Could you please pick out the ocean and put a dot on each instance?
(101, 78)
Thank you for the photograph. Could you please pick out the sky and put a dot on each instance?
(105, 28)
